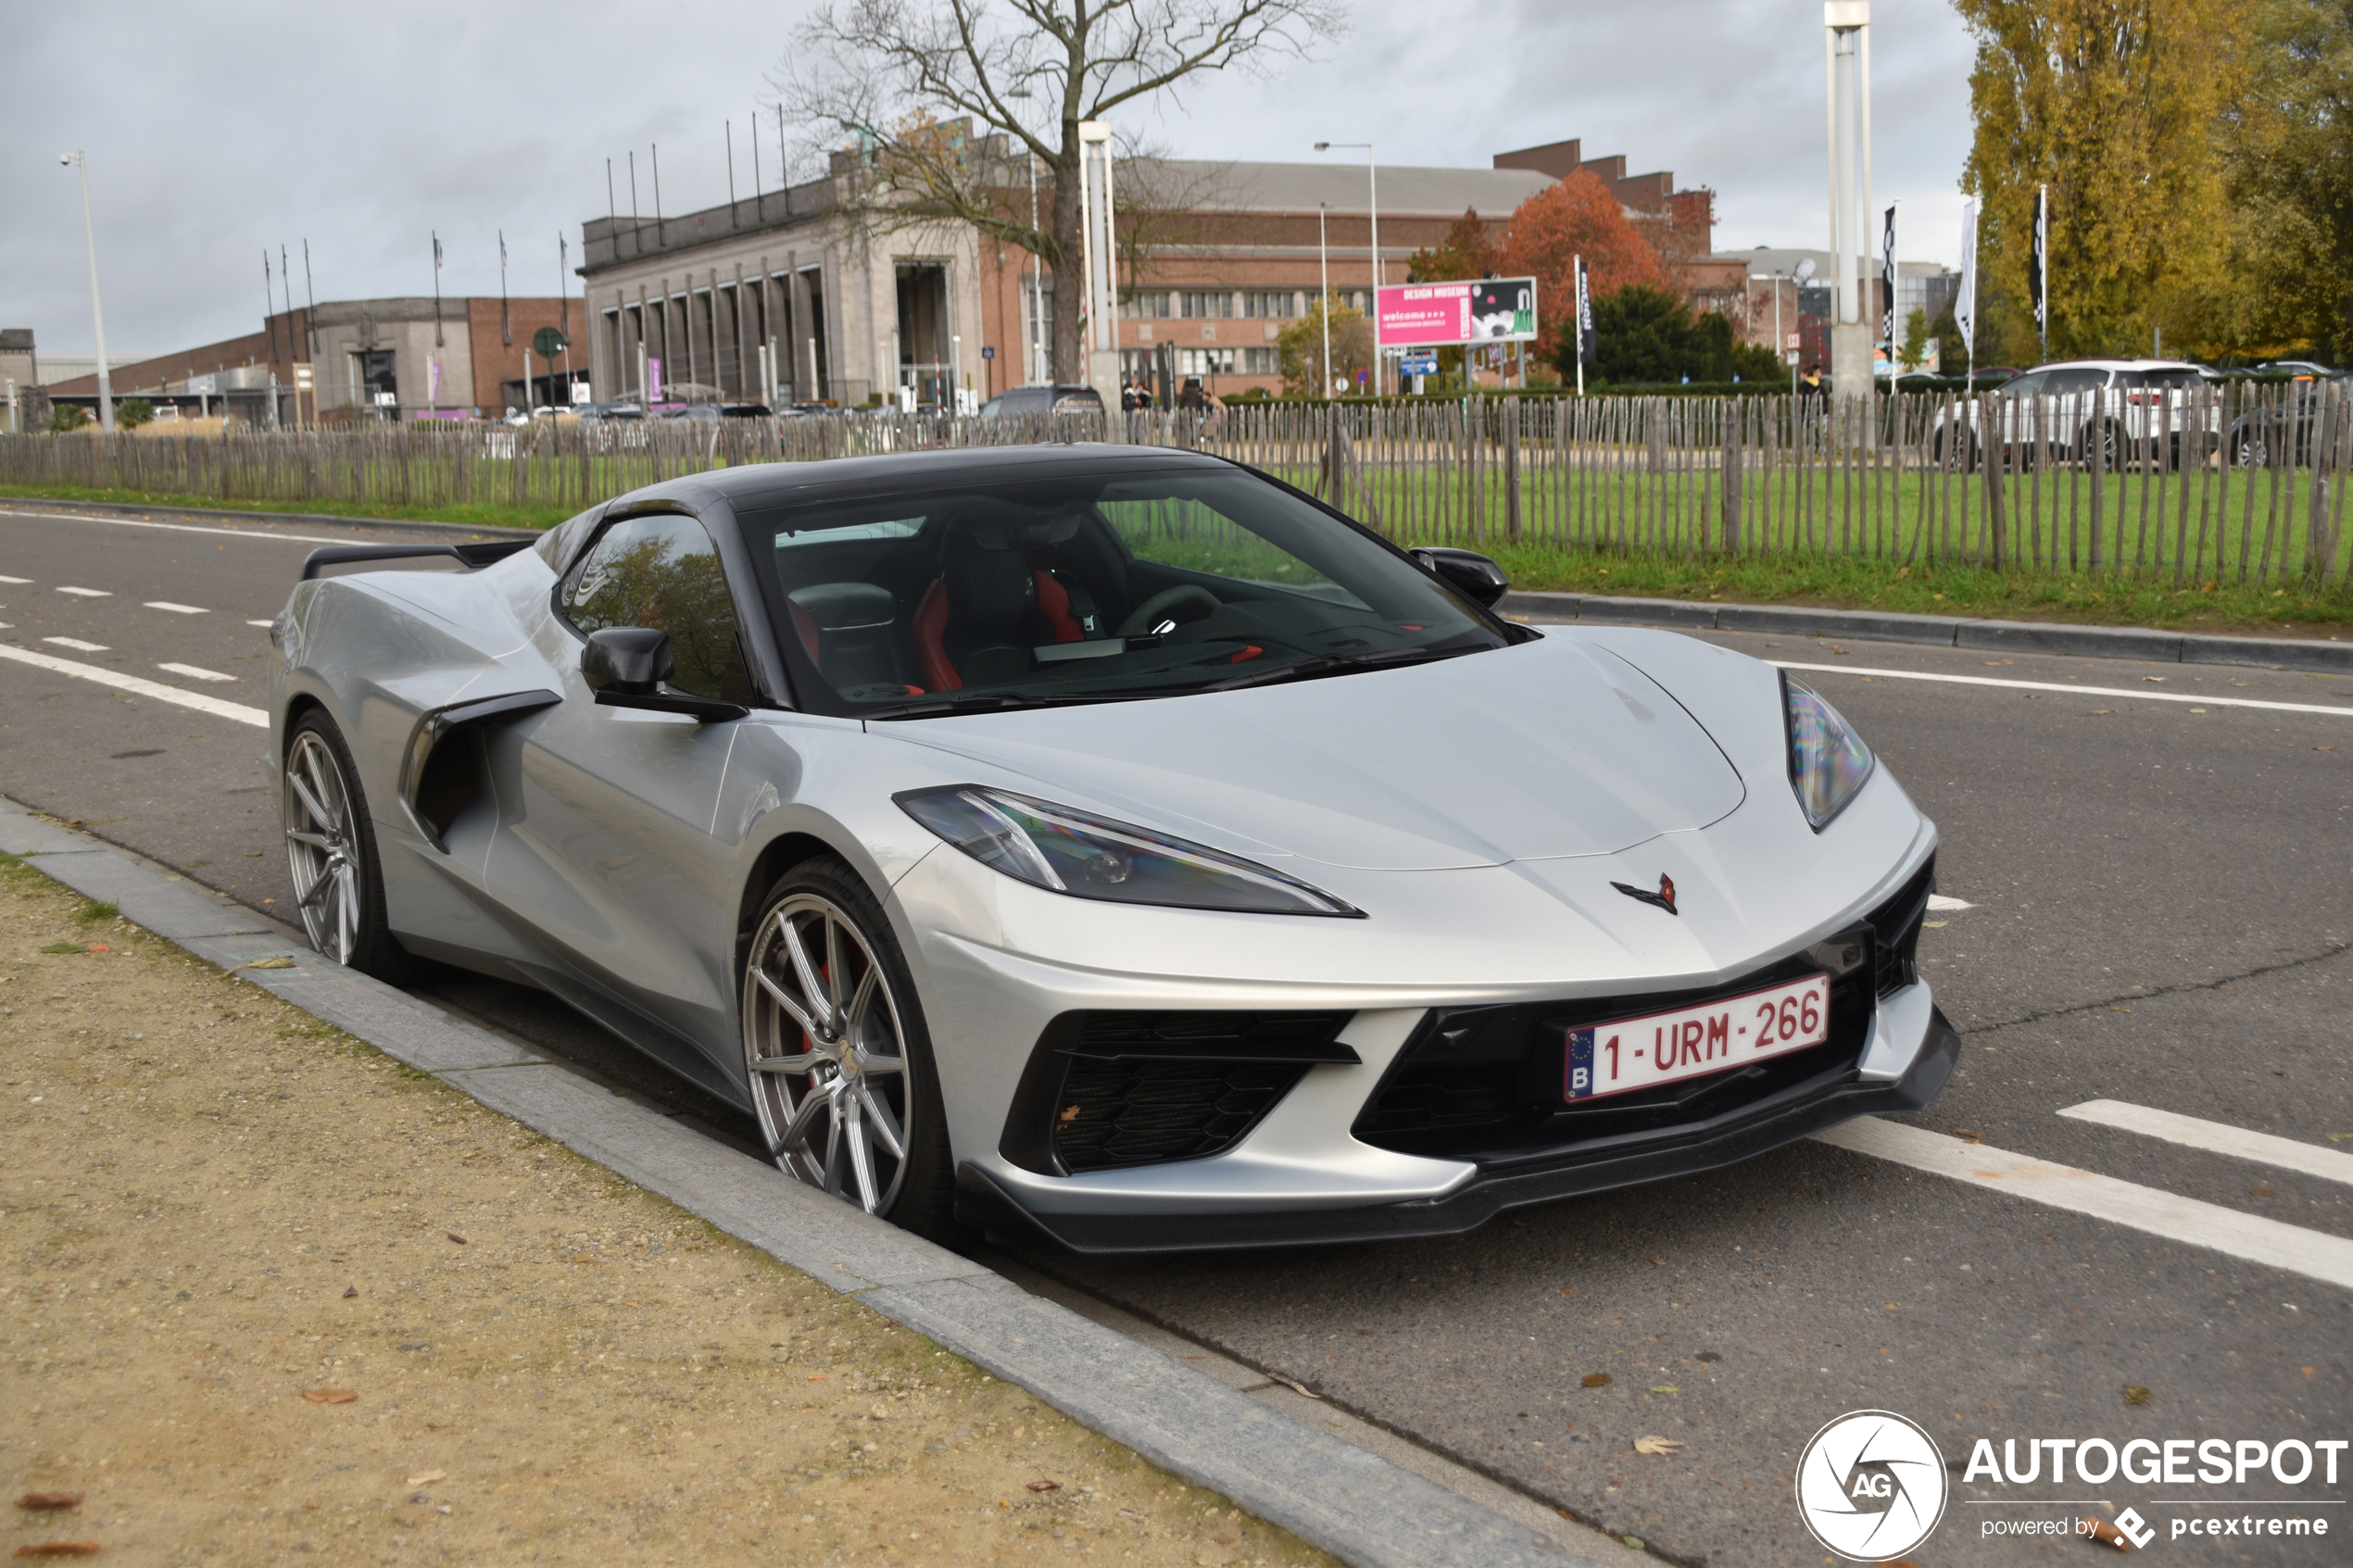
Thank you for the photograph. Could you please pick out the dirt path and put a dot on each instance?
(267, 1295)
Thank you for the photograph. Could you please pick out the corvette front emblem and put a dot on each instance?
(1663, 898)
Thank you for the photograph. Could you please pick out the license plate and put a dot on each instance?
(1663, 1048)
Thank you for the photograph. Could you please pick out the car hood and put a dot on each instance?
(1548, 749)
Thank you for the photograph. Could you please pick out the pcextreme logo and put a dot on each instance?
(1871, 1485)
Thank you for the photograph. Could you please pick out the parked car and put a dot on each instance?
(1114, 846)
(2111, 411)
(1017, 401)
(2282, 431)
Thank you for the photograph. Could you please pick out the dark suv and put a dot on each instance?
(1016, 401)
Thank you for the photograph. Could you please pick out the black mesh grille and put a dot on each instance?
(1897, 926)
(1142, 1112)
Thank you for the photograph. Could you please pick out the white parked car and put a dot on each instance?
(2060, 412)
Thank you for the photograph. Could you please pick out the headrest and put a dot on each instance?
(997, 524)
(841, 607)
(987, 585)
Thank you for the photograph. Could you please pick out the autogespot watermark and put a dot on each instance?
(1873, 1485)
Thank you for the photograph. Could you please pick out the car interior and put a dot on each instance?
(1125, 588)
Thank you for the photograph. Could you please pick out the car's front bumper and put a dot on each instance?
(1907, 1060)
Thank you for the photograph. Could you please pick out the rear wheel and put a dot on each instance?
(839, 1060)
(331, 849)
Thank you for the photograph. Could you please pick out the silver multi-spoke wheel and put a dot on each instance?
(323, 848)
(827, 1051)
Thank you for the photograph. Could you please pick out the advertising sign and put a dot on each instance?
(1424, 315)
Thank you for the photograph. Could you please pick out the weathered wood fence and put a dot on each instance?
(2215, 483)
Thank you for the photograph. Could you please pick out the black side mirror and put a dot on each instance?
(626, 661)
(1466, 569)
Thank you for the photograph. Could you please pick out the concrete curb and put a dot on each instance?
(199, 514)
(1348, 1501)
(1939, 631)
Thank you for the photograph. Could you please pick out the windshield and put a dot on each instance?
(1085, 588)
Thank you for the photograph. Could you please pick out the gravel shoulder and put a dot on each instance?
(265, 1293)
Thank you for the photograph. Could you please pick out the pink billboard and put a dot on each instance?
(1424, 314)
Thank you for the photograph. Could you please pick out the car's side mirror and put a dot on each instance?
(626, 661)
(1466, 569)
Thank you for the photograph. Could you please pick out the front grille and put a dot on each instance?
(1896, 923)
(1484, 1084)
(1145, 1112)
(1107, 1090)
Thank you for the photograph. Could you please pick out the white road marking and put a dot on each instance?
(2291, 1249)
(2216, 1138)
(265, 626)
(14, 579)
(2133, 692)
(176, 528)
(139, 685)
(77, 645)
(89, 592)
(1938, 901)
(177, 609)
(195, 673)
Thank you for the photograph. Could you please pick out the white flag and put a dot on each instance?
(1964, 304)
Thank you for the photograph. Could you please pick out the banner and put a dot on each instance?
(1588, 342)
(1887, 281)
(1964, 303)
(2038, 264)
(1423, 315)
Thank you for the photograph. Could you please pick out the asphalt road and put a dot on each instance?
(2160, 913)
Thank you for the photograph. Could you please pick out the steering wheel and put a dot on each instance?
(1164, 605)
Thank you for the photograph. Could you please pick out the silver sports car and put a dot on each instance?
(1114, 846)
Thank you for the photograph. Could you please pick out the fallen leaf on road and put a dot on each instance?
(2136, 1394)
(1664, 1388)
(2107, 1534)
(1655, 1443)
(1042, 1486)
(49, 1499)
(2338, 1138)
(63, 948)
(455, 1237)
(422, 1476)
(1969, 1135)
(330, 1396)
(812, 1377)
(1659, 1262)
(275, 960)
(1294, 1387)
(584, 1257)
(58, 1548)
(1568, 1290)
(629, 1303)
(1596, 1380)
(350, 1291)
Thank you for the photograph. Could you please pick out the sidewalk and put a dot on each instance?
(272, 1295)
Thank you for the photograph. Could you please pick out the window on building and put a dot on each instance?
(1272, 304)
(1262, 361)
(1205, 361)
(1197, 306)
(1145, 305)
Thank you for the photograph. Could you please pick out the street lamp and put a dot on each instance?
(97, 317)
(1372, 186)
(1037, 271)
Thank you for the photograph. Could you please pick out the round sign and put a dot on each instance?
(1871, 1485)
(548, 343)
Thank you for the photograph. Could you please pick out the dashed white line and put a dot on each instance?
(2077, 691)
(139, 685)
(265, 626)
(195, 673)
(77, 645)
(2216, 1138)
(1939, 901)
(89, 592)
(2291, 1249)
(177, 609)
(14, 579)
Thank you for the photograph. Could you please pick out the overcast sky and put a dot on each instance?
(216, 130)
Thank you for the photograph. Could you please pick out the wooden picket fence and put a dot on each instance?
(2228, 481)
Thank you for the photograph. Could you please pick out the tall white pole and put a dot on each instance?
(97, 316)
(1847, 54)
(1038, 372)
(1372, 186)
(1324, 302)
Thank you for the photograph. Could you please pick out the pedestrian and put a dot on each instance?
(1810, 384)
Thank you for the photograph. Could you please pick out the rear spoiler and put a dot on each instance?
(473, 556)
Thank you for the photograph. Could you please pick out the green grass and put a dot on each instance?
(473, 514)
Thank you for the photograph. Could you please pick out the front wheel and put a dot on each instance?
(331, 849)
(838, 1058)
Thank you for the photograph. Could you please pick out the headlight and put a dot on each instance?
(1090, 857)
(1828, 762)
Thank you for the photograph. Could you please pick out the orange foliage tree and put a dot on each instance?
(1571, 218)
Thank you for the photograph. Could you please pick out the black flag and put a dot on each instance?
(2038, 283)
(1887, 286)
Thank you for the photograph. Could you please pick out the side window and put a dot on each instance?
(663, 572)
(2062, 382)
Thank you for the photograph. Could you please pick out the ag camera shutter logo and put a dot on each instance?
(1871, 1485)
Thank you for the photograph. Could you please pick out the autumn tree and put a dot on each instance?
(2291, 169)
(942, 103)
(1467, 252)
(2119, 106)
(1300, 348)
(1548, 231)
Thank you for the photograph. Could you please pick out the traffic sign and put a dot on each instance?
(1418, 364)
(548, 343)
(1793, 342)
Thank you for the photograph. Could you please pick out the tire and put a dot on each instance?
(331, 850)
(838, 1081)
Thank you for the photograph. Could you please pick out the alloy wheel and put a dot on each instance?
(827, 1053)
(321, 846)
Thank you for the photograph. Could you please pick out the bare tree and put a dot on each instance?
(921, 103)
